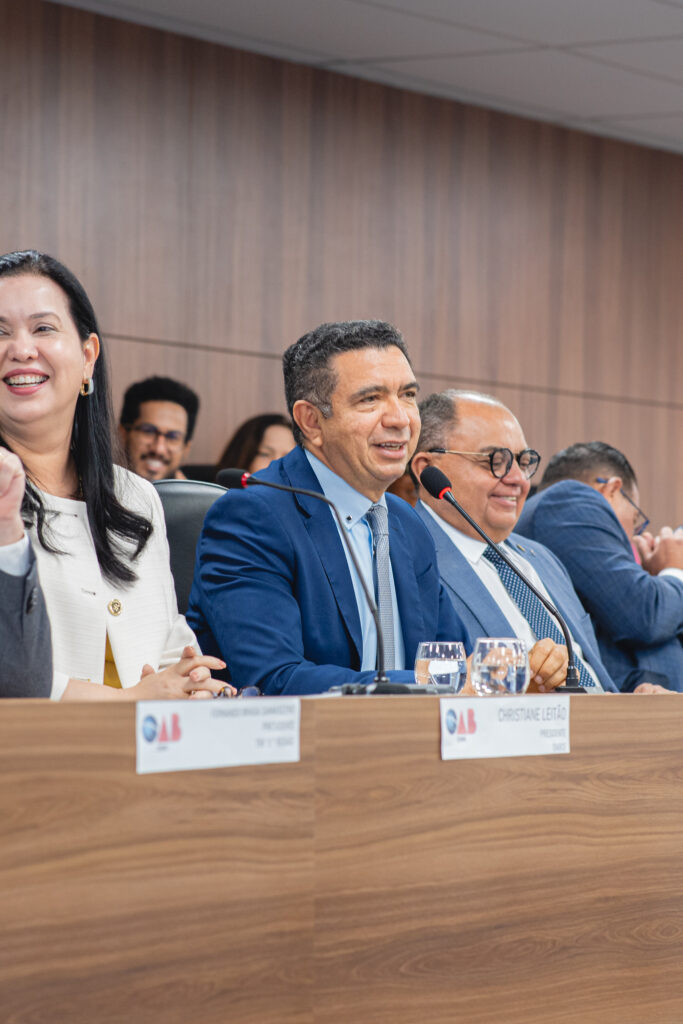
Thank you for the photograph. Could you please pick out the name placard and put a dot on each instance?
(175, 736)
(504, 726)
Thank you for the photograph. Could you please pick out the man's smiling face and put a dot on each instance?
(375, 423)
(495, 504)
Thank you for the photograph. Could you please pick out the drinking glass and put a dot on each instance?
(500, 665)
(441, 663)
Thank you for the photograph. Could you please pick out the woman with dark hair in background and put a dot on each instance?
(257, 442)
(97, 530)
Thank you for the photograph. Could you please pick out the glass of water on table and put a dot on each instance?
(441, 664)
(500, 665)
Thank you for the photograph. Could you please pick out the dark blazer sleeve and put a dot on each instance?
(26, 661)
(630, 606)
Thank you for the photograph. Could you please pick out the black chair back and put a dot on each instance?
(200, 471)
(185, 504)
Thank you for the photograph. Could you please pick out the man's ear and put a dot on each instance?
(420, 462)
(123, 436)
(308, 419)
(611, 488)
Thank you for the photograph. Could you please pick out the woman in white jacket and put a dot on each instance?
(97, 530)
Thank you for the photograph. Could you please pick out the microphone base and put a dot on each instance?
(571, 684)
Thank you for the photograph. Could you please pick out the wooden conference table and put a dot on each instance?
(369, 883)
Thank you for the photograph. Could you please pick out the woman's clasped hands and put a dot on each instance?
(190, 677)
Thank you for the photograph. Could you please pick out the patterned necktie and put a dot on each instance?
(541, 622)
(379, 524)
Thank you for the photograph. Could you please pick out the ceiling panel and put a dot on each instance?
(554, 22)
(200, 20)
(340, 29)
(661, 57)
(559, 81)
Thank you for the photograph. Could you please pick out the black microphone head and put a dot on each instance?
(434, 481)
(233, 478)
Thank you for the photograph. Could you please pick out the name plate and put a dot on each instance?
(504, 726)
(176, 736)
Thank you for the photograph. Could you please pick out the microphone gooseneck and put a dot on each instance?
(437, 484)
(238, 479)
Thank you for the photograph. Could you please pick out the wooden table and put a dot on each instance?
(370, 883)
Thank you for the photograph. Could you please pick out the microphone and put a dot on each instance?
(438, 486)
(235, 479)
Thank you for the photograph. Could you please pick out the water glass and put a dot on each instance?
(441, 663)
(500, 665)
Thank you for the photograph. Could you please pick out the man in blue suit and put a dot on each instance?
(586, 511)
(480, 446)
(274, 590)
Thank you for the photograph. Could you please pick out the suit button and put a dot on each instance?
(31, 600)
(115, 607)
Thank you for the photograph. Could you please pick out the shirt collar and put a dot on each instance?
(351, 503)
(472, 549)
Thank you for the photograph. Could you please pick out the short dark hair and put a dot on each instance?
(306, 363)
(160, 389)
(91, 438)
(439, 414)
(244, 444)
(584, 460)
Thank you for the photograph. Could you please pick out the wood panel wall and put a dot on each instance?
(218, 204)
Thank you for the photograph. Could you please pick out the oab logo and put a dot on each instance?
(166, 732)
(464, 724)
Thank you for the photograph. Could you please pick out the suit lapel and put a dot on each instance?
(462, 583)
(558, 592)
(321, 526)
(405, 582)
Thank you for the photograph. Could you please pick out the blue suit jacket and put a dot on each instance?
(273, 596)
(483, 617)
(638, 618)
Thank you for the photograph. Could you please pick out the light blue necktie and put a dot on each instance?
(378, 519)
(540, 621)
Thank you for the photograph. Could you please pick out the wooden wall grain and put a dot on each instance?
(217, 204)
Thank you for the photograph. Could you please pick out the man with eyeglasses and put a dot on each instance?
(587, 511)
(480, 446)
(156, 426)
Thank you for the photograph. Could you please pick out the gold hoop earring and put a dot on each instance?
(87, 387)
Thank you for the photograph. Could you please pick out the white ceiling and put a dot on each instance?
(611, 67)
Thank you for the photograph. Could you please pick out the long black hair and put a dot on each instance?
(91, 438)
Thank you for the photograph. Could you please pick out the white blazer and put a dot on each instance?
(141, 620)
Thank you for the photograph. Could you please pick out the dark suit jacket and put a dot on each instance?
(483, 617)
(638, 618)
(26, 658)
(273, 595)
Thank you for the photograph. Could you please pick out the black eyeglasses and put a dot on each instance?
(173, 438)
(500, 460)
(641, 521)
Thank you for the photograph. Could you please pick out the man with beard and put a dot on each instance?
(156, 426)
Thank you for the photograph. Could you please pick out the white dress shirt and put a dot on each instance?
(14, 558)
(473, 551)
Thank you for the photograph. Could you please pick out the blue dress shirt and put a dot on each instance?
(352, 507)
